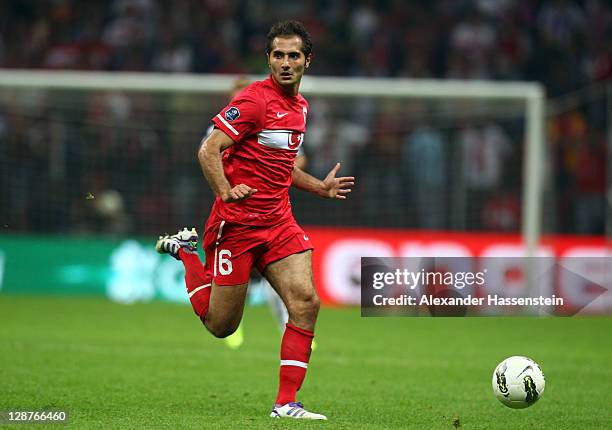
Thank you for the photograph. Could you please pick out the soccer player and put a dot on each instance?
(275, 303)
(248, 160)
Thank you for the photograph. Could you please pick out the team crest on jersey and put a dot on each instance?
(232, 114)
(295, 139)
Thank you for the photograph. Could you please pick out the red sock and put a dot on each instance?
(195, 279)
(295, 354)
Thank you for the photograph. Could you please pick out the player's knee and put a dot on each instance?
(314, 304)
(220, 330)
(305, 307)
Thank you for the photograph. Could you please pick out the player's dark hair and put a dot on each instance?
(290, 28)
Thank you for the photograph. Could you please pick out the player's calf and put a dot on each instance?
(184, 247)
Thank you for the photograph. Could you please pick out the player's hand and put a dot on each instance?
(337, 188)
(238, 193)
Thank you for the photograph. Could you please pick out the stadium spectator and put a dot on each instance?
(589, 203)
(561, 23)
(472, 43)
(485, 148)
(425, 174)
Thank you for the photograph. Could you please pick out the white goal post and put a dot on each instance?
(532, 94)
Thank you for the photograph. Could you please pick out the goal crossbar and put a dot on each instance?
(314, 85)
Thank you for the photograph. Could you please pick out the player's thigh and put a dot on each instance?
(230, 252)
(226, 304)
(292, 278)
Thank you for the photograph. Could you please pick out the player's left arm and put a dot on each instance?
(331, 187)
(300, 160)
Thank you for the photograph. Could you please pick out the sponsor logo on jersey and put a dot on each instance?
(232, 114)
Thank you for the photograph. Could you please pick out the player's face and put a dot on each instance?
(287, 61)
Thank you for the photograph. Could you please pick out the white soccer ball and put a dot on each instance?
(518, 382)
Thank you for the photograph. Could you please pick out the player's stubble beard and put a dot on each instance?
(293, 84)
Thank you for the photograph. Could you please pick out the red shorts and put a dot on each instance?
(233, 249)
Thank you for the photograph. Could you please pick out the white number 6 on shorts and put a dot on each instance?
(225, 265)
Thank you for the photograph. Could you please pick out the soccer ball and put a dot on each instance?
(518, 382)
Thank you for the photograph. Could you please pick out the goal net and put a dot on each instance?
(115, 152)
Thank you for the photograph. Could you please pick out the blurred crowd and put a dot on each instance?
(117, 163)
(563, 43)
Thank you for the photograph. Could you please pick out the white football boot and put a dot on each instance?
(185, 238)
(295, 410)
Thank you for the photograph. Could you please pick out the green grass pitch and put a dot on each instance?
(154, 366)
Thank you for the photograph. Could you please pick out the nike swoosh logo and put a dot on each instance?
(306, 237)
(524, 370)
(280, 115)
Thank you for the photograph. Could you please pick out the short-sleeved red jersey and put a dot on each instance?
(267, 128)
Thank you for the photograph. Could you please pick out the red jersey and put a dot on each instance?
(267, 128)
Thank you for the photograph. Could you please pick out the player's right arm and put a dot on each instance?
(209, 156)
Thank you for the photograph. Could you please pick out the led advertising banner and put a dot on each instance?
(129, 270)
